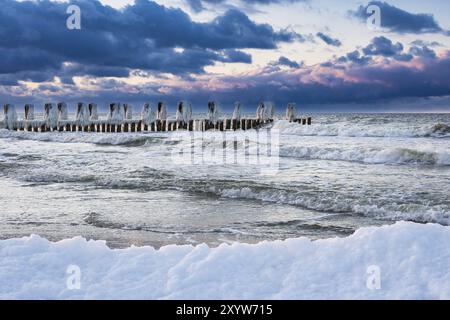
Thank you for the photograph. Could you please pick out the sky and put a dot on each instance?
(320, 54)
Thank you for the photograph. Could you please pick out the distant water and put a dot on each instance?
(343, 172)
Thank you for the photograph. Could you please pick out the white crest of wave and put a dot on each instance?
(371, 155)
(358, 129)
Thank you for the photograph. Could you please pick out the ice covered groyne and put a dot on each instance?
(120, 118)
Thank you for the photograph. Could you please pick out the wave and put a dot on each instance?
(366, 129)
(122, 139)
(335, 203)
(309, 197)
(370, 155)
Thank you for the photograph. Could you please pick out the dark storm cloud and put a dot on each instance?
(328, 40)
(357, 83)
(356, 57)
(423, 51)
(423, 43)
(382, 46)
(398, 20)
(283, 61)
(374, 83)
(198, 5)
(33, 36)
(235, 56)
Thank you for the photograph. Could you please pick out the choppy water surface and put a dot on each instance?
(341, 173)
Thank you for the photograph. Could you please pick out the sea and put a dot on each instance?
(285, 180)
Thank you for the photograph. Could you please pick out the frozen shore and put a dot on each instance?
(412, 259)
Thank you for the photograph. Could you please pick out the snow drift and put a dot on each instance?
(413, 260)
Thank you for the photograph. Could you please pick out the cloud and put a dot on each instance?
(234, 56)
(397, 20)
(199, 5)
(423, 52)
(283, 61)
(328, 40)
(355, 57)
(382, 46)
(370, 82)
(33, 36)
(423, 43)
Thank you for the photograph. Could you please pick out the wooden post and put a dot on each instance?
(227, 124)
(309, 121)
(243, 122)
(304, 121)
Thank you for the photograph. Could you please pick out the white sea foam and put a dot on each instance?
(348, 129)
(371, 155)
(416, 267)
(381, 209)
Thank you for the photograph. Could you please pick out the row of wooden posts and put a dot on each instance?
(265, 116)
(157, 126)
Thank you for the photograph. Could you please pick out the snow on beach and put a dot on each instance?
(413, 260)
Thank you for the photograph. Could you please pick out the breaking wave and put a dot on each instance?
(334, 203)
(115, 139)
(370, 155)
(345, 129)
(381, 207)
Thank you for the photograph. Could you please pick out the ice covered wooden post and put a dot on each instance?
(161, 117)
(291, 112)
(115, 117)
(82, 116)
(148, 118)
(29, 117)
(29, 112)
(93, 118)
(50, 117)
(270, 111)
(10, 119)
(236, 118)
(93, 112)
(183, 115)
(265, 112)
(128, 116)
(63, 117)
(213, 115)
